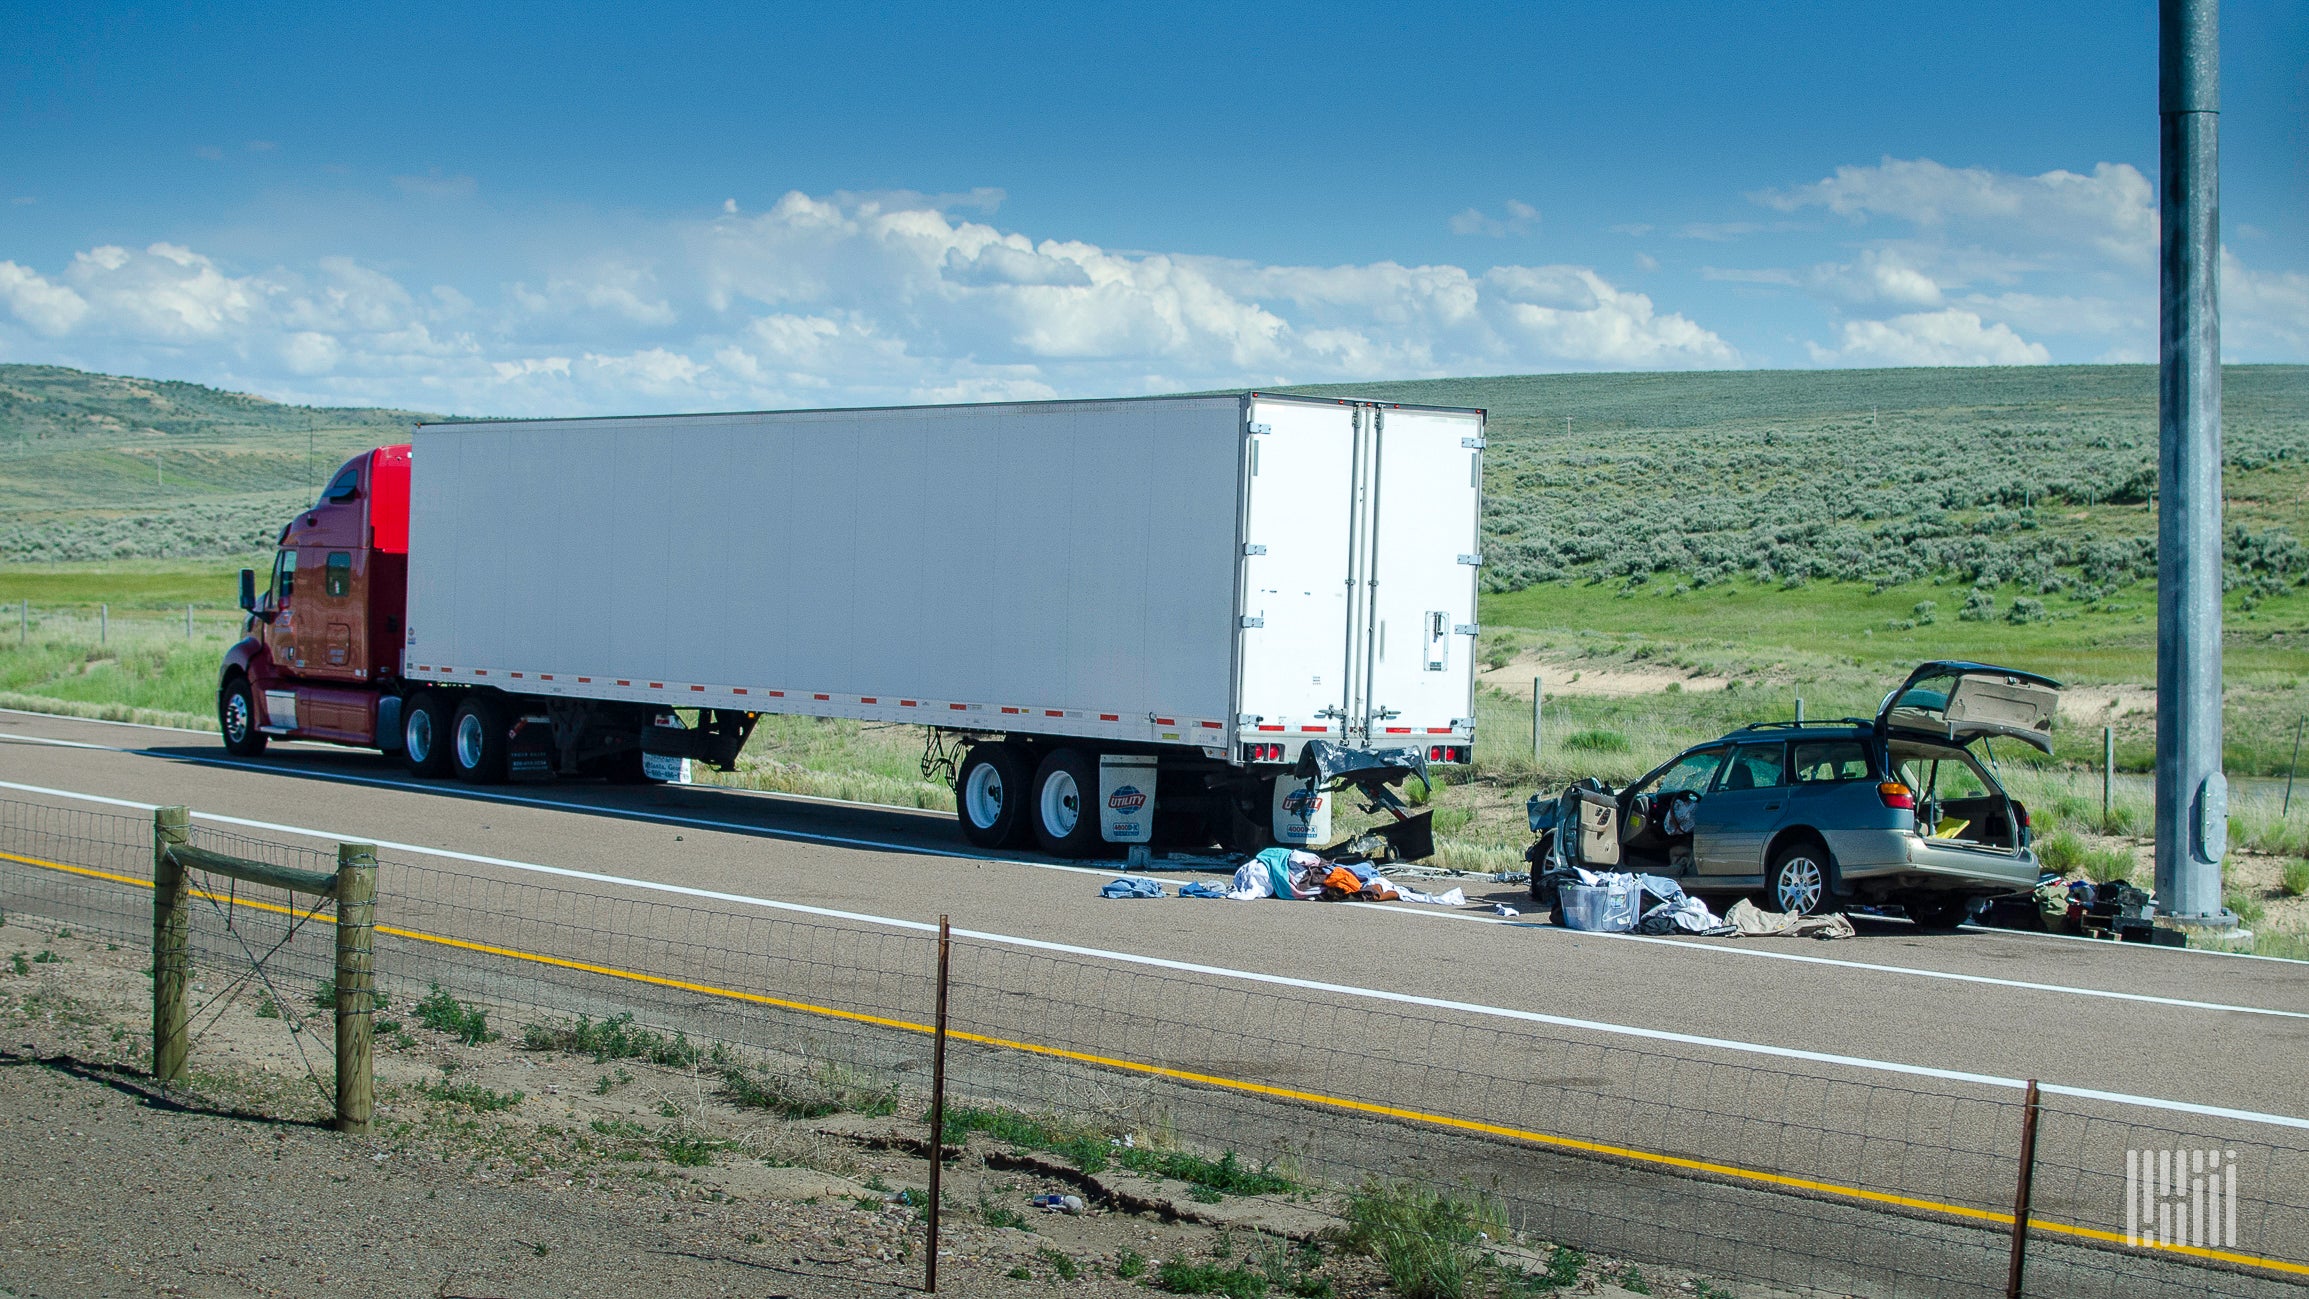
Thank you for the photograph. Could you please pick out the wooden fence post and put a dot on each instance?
(356, 985)
(937, 1111)
(2021, 1196)
(171, 946)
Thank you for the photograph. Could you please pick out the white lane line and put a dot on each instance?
(1249, 976)
(1914, 971)
(562, 805)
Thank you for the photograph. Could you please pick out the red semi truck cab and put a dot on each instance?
(320, 657)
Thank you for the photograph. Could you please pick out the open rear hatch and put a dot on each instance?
(1962, 702)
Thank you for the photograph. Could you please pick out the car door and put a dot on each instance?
(1738, 814)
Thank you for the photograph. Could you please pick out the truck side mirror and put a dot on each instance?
(248, 590)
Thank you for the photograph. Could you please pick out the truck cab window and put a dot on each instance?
(344, 487)
(284, 577)
(337, 579)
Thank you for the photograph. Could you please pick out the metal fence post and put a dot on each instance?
(937, 1110)
(356, 985)
(2108, 774)
(1538, 693)
(24, 623)
(188, 622)
(104, 624)
(1799, 710)
(171, 946)
(2293, 767)
(2021, 1196)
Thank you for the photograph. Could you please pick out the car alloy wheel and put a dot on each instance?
(1799, 885)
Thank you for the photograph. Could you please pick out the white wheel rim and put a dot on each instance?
(1061, 804)
(470, 740)
(1798, 885)
(236, 716)
(417, 736)
(982, 796)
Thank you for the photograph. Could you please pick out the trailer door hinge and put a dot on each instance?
(1463, 723)
(1467, 628)
(1472, 561)
(1251, 548)
(1253, 620)
(1245, 721)
(1472, 444)
(1262, 428)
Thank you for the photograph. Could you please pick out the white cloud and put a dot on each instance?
(1947, 337)
(1521, 219)
(435, 185)
(845, 299)
(2114, 208)
(2263, 313)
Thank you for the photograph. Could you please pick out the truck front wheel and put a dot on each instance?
(990, 796)
(236, 716)
(477, 741)
(425, 735)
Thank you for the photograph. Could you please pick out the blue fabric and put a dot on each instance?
(1278, 864)
(1129, 888)
(1200, 889)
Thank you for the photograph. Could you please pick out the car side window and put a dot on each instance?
(1821, 762)
(1691, 772)
(1755, 766)
(337, 579)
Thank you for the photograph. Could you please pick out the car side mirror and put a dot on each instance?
(248, 590)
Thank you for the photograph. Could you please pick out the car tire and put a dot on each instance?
(1064, 806)
(425, 722)
(1938, 910)
(1535, 860)
(1801, 880)
(477, 741)
(990, 796)
(236, 718)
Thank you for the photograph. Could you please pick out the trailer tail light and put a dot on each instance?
(1897, 795)
(1447, 753)
(1262, 753)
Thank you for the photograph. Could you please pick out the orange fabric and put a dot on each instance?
(1343, 881)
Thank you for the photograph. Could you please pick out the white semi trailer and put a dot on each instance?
(1122, 620)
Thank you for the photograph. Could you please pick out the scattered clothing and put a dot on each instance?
(1058, 1203)
(1130, 888)
(1455, 898)
(1502, 909)
(1201, 889)
(1685, 914)
(1753, 921)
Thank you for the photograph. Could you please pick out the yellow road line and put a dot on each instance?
(1349, 1104)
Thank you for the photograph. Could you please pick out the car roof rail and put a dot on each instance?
(1808, 722)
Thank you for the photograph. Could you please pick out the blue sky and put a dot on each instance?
(533, 209)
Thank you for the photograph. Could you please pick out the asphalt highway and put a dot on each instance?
(2202, 1038)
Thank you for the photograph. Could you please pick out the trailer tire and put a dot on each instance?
(477, 741)
(236, 716)
(1064, 806)
(425, 721)
(990, 796)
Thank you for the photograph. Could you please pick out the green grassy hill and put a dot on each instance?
(96, 467)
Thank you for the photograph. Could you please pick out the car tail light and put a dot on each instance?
(2020, 810)
(1897, 795)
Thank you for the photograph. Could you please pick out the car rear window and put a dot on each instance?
(1820, 762)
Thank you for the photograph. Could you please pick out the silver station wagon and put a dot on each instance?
(1903, 810)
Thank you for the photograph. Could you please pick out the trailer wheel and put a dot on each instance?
(990, 796)
(477, 741)
(1065, 803)
(236, 715)
(425, 722)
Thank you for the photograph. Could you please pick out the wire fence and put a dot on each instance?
(1808, 1177)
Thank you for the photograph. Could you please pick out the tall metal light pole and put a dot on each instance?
(2192, 794)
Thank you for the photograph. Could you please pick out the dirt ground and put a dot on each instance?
(496, 1171)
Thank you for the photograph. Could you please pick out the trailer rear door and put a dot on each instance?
(1299, 514)
(1423, 557)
